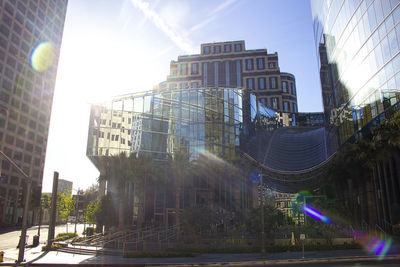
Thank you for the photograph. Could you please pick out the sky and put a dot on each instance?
(123, 46)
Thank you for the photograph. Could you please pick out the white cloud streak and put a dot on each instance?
(156, 19)
(212, 15)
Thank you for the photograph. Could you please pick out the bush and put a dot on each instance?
(313, 247)
(157, 254)
(64, 236)
(79, 239)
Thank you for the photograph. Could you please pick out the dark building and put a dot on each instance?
(28, 29)
(229, 64)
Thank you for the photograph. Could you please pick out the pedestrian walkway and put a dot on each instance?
(35, 255)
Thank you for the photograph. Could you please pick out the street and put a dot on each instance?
(11, 239)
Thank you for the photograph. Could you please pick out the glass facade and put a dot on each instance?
(196, 120)
(358, 43)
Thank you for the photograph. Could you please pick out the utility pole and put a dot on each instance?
(76, 207)
(53, 211)
(262, 219)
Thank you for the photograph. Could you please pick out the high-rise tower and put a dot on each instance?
(30, 40)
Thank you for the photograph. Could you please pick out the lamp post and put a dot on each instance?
(262, 219)
(26, 207)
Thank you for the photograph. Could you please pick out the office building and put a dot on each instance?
(30, 40)
(64, 186)
(229, 64)
(358, 42)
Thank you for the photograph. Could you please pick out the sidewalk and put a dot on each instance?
(35, 255)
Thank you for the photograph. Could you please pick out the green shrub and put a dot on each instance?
(64, 236)
(158, 254)
(308, 247)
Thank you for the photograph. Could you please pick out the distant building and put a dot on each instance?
(64, 186)
(230, 65)
(28, 31)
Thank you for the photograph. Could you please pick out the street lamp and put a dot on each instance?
(26, 207)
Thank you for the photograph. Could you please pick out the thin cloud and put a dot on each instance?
(222, 6)
(212, 15)
(155, 18)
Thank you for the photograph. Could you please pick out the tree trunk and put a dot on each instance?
(178, 182)
(121, 213)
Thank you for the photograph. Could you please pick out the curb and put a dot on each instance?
(277, 262)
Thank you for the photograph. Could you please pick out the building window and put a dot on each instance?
(294, 107)
(250, 83)
(285, 107)
(216, 73)
(271, 65)
(238, 47)
(238, 78)
(293, 89)
(217, 49)
(205, 74)
(195, 68)
(183, 85)
(227, 48)
(274, 103)
(260, 63)
(261, 83)
(249, 64)
(272, 82)
(284, 87)
(183, 69)
(195, 85)
(207, 50)
(227, 77)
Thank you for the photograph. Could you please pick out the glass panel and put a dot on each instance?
(138, 104)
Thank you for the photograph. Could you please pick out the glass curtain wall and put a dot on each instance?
(196, 120)
(358, 42)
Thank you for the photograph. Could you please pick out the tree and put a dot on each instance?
(273, 219)
(65, 205)
(92, 212)
(179, 163)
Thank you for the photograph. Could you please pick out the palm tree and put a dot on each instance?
(179, 163)
(114, 170)
(144, 171)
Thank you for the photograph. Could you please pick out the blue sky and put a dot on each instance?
(123, 46)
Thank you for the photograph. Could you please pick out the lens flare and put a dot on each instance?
(255, 176)
(42, 56)
(374, 245)
(315, 214)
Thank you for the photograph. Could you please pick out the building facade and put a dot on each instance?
(229, 64)
(26, 92)
(358, 42)
(205, 122)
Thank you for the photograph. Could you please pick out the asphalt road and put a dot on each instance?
(11, 239)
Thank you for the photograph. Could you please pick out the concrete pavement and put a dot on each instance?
(35, 255)
(11, 239)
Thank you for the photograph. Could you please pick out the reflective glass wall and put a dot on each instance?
(196, 120)
(358, 42)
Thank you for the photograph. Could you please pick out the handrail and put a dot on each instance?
(378, 228)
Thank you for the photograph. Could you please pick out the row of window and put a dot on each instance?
(250, 84)
(183, 67)
(227, 48)
(274, 104)
(260, 64)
